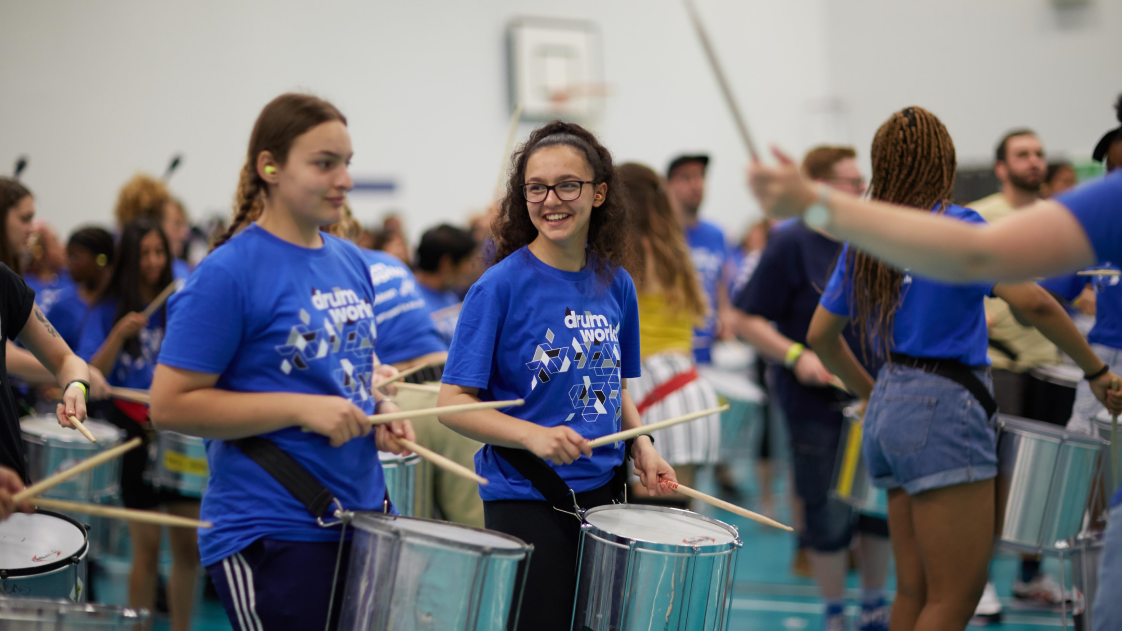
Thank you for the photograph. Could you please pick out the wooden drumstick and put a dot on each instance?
(131, 394)
(81, 467)
(723, 83)
(1099, 272)
(158, 301)
(639, 431)
(442, 462)
(114, 512)
(379, 419)
(719, 503)
(81, 428)
(405, 373)
(419, 387)
(511, 133)
(838, 383)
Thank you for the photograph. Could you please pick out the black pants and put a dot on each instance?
(551, 583)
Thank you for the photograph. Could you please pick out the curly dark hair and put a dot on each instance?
(610, 244)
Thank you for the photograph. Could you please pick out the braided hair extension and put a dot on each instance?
(283, 120)
(913, 165)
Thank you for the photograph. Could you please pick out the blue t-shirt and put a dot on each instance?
(1108, 302)
(180, 269)
(68, 315)
(47, 292)
(1097, 206)
(561, 341)
(406, 330)
(793, 270)
(128, 371)
(708, 253)
(443, 309)
(935, 319)
(270, 316)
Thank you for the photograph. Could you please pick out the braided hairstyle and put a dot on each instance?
(913, 165)
(11, 194)
(653, 218)
(283, 120)
(609, 235)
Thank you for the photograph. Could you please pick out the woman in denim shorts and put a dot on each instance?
(928, 438)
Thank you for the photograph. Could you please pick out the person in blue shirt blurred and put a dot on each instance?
(124, 345)
(685, 183)
(445, 265)
(46, 271)
(273, 335)
(553, 322)
(933, 321)
(89, 255)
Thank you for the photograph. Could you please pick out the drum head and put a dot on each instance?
(660, 525)
(39, 543)
(48, 427)
(437, 530)
(1059, 374)
(1040, 429)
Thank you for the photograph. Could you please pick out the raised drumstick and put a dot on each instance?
(159, 300)
(114, 512)
(379, 419)
(405, 373)
(511, 134)
(131, 394)
(81, 467)
(723, 83)
(81, 428)
(441, 461)
(732, 508)
(639, 431)
(1099, 272)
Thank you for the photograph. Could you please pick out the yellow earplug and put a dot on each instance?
(270, 170)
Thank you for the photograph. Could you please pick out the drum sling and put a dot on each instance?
(547, 482)
(954, 370)
(667, 388)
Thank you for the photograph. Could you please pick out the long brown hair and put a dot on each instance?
(282, 121)
(11, 194)
(913, 165)
(654, 220)
(609, 236)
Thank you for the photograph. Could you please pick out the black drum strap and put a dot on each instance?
(957, 372)
(552, 487)
(290, 474)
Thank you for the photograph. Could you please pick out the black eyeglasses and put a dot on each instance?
(566, 191)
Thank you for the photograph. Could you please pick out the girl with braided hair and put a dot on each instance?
(272, 339)
(555, 312)
(927, 438)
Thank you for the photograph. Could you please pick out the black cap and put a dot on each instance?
(1112, 136)
(680, 160)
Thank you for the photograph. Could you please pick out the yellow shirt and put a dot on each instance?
(663, 329)
(1031, 347)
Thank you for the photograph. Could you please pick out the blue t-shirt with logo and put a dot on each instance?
(47, 292)
(405, 329)
(443, 309)
(935, 319)
(266, 315)
(560, 340)
(68, 315)
(128, 371)
(708, 253)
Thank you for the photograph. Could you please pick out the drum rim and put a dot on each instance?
(75, 439)
(73, 559)
(138, 613)
(658, 546)
(376, 516)
(1062, 435)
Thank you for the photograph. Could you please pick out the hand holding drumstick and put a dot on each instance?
(647, 459)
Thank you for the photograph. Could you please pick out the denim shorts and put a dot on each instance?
(924, 432)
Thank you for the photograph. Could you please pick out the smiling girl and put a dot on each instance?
(555, 322)
(273, 337)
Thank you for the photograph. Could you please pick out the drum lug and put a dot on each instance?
(4, 574)
(738, 543)
(585, 526)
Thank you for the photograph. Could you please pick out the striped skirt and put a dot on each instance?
(696, 442)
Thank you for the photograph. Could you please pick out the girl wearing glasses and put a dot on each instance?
(554, 322)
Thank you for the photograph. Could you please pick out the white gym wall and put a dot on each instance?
(94, 91)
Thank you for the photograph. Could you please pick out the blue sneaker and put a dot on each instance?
(875, 616)
(834, 619)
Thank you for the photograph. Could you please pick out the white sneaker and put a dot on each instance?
(989, 607)
(1042, 590)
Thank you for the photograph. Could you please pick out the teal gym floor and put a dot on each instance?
(766, 595)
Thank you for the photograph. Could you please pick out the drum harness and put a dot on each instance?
(957, 372)
(308, 490)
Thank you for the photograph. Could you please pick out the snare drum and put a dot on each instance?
(852, 483)
(1044, 482)
(26, 614)
(646, 567)
(181, 464)
(43, 555)
(1051, 397)
(401, 480)
(414, 574)
(52, 448)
